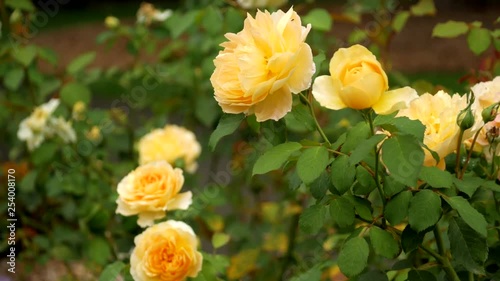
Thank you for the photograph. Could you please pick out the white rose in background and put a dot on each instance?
(41, 125)
(486, 94)
(253, 4)
(148, 14)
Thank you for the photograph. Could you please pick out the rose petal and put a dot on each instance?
(275, 106)
(180, 202)
(391, 101)
(325, 92)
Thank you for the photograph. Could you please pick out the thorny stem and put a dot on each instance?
(311, 108)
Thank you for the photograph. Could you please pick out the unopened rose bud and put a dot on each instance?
(111, 22)
(490, 113)
(465, 119)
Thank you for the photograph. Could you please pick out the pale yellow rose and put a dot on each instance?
(252, 4)
(170, 144)
(262, 65)
(166, 252)
(111, 22)
(150, 190)
(358, 81)
(439, 114)
(486, 94)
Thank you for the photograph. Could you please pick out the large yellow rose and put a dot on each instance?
(486, 94)
(358, 81)
(439, 115)
(150, 190)
(262, 65)
(166, 252)
(170, 144)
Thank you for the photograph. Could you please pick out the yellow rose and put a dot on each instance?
(166, 252)
(262, 65)
(111, 22)
(170, 144)
(358, 81)
(150, 190)
(439, 114)
(486, 94)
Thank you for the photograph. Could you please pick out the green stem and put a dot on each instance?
(457, 161)
(292, 234)
(377, 163)
(445, 262)
(311, 108)
(471, 276)
(469, 154)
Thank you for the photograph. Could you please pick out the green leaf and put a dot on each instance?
(479, 40)
(227, 125)
(80, 62)
(275, 157)
(400, 21)
(410, 239)
(491, 185)
(450, 29)
(404, 157)
(73, 92)
(312, 162)
(48, 54)
(212, 20)
(311, 274)
(24, 55)
(320, 185)
(383, 243)
(342, 174)
(342, 211)
(178, 24)
(423, 8)
(353, 257)
(98, 250)
(425, 210)
(44, 153)
(220, 239)
(27, 184)
(470, 215)
(364, 148)
(420, 275)
(300, 120)
(13, 78)
(392, 187)
(24, 5)
(467, 247)
(355, 136)
(403, 125)
(111, 271)
(397, 208)
(319, 19)
(436, 177)
(362, 206)
(365, 183)
(312, 219)
(373, 276)
(356, 36)
(468, 184)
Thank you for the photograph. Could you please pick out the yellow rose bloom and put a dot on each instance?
(358, 81)
(169, 144)
(150, 190)
(486, 94)
(262, 65)
(439, 114)
(166, 252)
